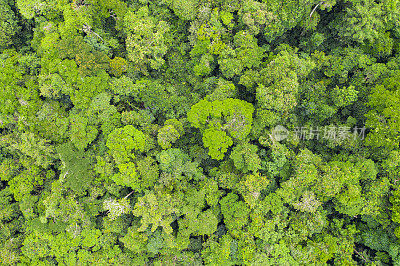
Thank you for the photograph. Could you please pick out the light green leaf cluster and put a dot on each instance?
(344, 96)
(156, 209)
(116, 208)
(221, 122)
(122, 143)
(146, 42)
(217, 142)
(82, 133)
(170, 133)
(245, 157)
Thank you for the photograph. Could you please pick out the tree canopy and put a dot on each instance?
(191, 132)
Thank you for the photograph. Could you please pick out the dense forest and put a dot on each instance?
(199, 132)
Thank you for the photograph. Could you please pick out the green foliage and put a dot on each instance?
(178, 165)
(170, 133)
(135, 241)
(224, 89)
(162, 99)
(146, 42)
(22, 178)
(222, 121)
(118, 66)
(186, 10)
(245, 157)
(116, 208)
(363, 21)
(156, 209)
(127, 175)
(345, 96)
(251, 188)
(81, 132)
(123, 87)
(123, 141)
(36, 148)
(280, 81)
(383, 118)
(217, 142)
(146, 132)
(246, 55)
(9, 24)
(76, 165)
(104, 114)
(199, 113)
(220, 252)
(236, 214)
(272, 18)
(148, 170)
